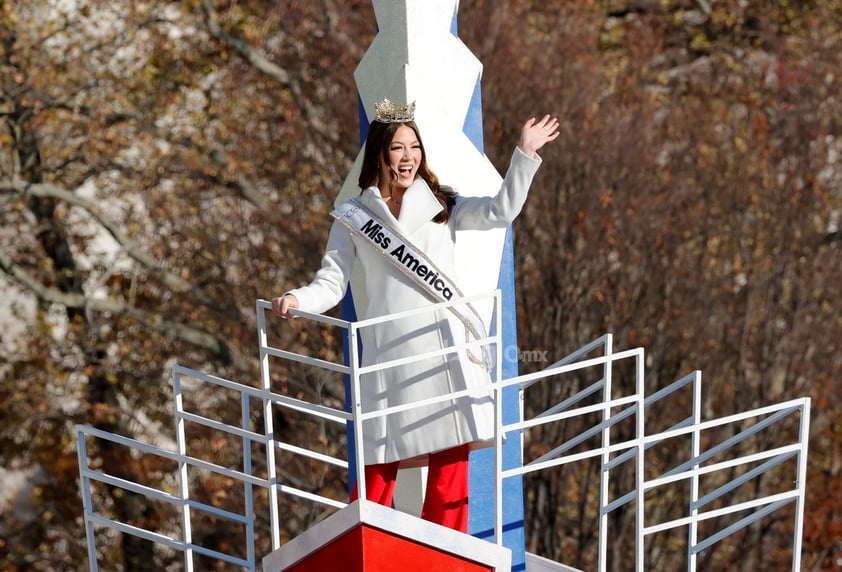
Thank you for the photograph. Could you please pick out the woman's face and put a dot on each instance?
(403, 159)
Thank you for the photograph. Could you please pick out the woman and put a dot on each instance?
(403, 207)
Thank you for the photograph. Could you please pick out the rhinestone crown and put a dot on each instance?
(388, 112)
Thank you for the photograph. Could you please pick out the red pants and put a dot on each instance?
(446, 498)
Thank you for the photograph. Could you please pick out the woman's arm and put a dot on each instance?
(482, 213)
(328, 286)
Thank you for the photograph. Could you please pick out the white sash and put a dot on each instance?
(414, 264)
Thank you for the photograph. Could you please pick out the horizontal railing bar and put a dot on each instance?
(131, 486)
(486, 341)
(267, 305)
(479, 391)
(373, 321)
(601, 341)
(127, 441)
(533, 466)
(156, 537)
(329, 413)
(165, 540)
(192, 461)
(588, 409)
(568, 368)
(296, 492)
(776, 416)
(306, 360)
(321, 411)
(184, 371)
(742, 479)
(588, 391)
(595, 430)
(739, 525)
(618, 502)
(160, 495)
(692, 470)
(777, 500)
(216, 511)
(671, 388)
(782, 409)
(620, 459)
(220, 426)
(583, 351)
(219, 469)
(785, 452)
(310, 454)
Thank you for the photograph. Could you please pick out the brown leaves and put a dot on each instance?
(687, 207)
(689, 198)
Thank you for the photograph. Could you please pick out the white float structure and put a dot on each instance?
(418, 57)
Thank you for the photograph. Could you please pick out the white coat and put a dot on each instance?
(409, 435)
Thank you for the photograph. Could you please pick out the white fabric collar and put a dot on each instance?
(419, 205)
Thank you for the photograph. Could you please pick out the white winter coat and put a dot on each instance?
(408, 436)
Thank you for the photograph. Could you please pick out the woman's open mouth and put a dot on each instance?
(405, 171)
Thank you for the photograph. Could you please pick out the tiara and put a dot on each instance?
(388, 112)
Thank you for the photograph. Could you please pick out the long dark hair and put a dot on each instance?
(377, 143)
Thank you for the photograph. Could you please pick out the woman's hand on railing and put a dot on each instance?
(283, 304)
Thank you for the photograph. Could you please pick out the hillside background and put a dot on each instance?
(164, 164)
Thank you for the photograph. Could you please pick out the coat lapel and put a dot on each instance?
(418, 207)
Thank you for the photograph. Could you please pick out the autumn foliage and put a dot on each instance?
(164, 164)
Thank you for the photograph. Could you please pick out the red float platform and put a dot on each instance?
(367, 537)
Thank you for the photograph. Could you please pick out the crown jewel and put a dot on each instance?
(388, 112)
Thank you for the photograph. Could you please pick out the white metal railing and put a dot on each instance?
(355, 370)
(609, 408)
(269, 400)
(612, 455)
(182, 500)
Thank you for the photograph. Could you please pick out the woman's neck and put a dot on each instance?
(393, 200)
(394, 195)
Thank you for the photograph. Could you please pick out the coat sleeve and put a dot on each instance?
(483, 213)
(328, 287)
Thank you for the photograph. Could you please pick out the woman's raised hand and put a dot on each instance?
(535, 134)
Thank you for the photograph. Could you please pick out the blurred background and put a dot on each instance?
(164, 164)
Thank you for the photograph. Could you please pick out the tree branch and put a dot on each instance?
(267, 67)
(169, 279)
(241, 184)
(155, 322)
(340, 36)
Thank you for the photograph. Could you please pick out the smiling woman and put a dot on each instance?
(394, 157)
(398, 171)
(401, 230)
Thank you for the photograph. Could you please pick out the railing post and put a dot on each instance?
(268, 426)
(693, 527)
(497, 392)
(804, 439)
(87, 503)
(605, 458)
(639, 461)
(248, 491)
(183, 477)
(356, 409)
